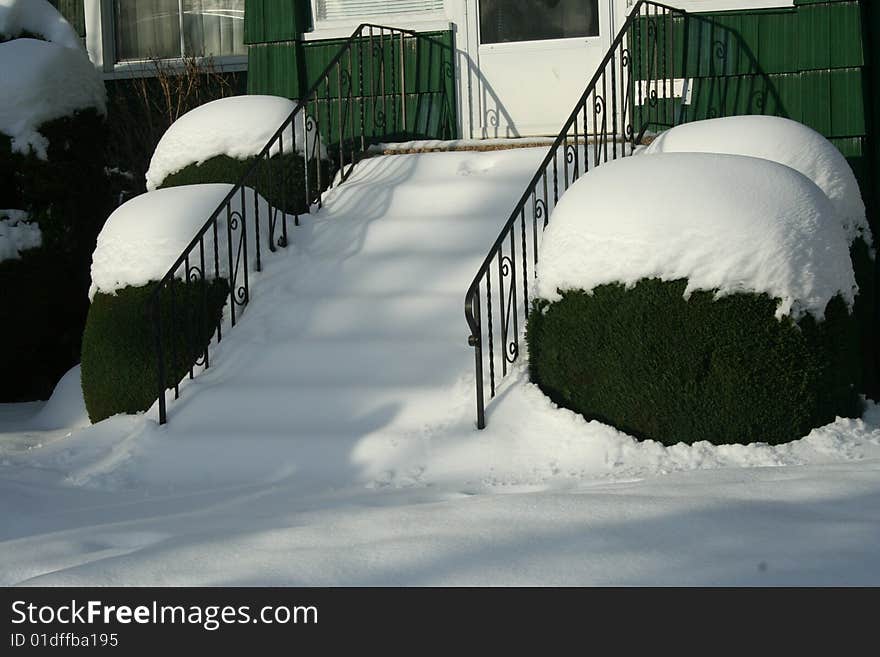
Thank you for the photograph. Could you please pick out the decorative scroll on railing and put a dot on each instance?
(373, 89)
(636, 88)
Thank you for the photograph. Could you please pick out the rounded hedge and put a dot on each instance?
(119, 368)
(282, 182)
(660, 367)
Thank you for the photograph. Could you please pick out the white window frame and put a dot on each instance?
(420, 21)
(101, 45)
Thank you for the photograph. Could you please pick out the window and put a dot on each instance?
(335, 9)
(535, 20)
(170, 29)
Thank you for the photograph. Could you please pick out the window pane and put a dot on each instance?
(535, 20)
(335, 9)
(213, 27)
(147, 28)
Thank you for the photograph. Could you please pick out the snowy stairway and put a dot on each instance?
(353, 329)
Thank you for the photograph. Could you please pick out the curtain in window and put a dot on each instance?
(334, 9)
(153, 28)
(147, 28)
(213, 27)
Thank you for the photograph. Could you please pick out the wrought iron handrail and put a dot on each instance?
(331, 137)
(638, 76)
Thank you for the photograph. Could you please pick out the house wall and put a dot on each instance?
(805, 62)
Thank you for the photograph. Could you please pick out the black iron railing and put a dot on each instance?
(636, 88)
(372, 89)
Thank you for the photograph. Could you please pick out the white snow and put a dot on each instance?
(333, 442)
(724, 222)
(37, 17)
(143, 237)
(17, 235)
(239, 127)
(780, 140)
(43, 81)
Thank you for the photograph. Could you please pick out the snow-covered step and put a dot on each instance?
(370, 317)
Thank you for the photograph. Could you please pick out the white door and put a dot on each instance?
(535, 60)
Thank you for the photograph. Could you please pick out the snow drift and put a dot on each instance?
(143, 237)
(238, 127)
(780, 140)
(724, 222)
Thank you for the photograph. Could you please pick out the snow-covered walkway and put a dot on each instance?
(333, 442)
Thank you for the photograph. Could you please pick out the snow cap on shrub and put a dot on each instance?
(36, 17)
(780, 140)
(44, 81)
(724, 222)
(238, 127)
(146, 235)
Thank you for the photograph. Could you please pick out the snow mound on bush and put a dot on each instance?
(239, 127)
(16, 235)
(724, 222)
(43, 81)
(36, 17)
(145, 236)
(780, 140)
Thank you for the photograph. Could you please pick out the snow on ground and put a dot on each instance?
(239, 127)
(143, 237)
(17, 235)
(779, 140)
(36, 17)
(333, 442)
(43, 81)
(743, 225)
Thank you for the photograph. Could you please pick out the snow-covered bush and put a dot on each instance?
(52, 131)
(779, 140)
(714, 305)
(803, 149)
(219, 141)
(137, 245)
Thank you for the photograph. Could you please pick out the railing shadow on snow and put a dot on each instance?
(378, 87)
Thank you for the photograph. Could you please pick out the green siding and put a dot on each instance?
(806, 63)
(270, 21)
(427, 82)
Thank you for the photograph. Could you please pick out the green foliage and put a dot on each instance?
(41, 318)
(658, 367)
(66, 193)
(119, 365)
(280, 180)
(45, 298)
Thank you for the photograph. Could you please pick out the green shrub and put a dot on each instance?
(45, 294)
(658, 367)
(281, 183)
(66, 193)
(41, 318)
(119, 369)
